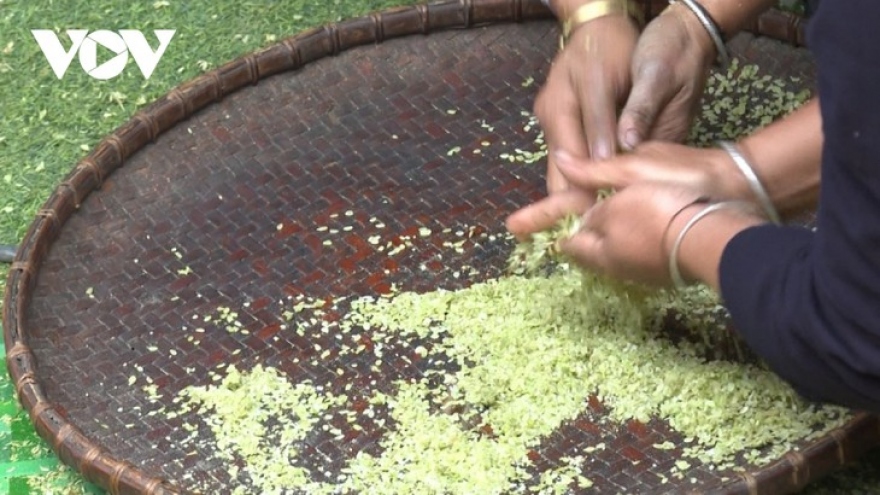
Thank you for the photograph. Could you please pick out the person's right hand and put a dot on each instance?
(669, 69)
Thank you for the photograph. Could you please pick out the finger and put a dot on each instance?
(586, 248)
(594, 219)
(558, 111)
(556, 182)
(546, 213)
(608, 174)
(649, 95)
(598, 114)
(563, 132)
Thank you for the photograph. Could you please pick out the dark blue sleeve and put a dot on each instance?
(808, 301)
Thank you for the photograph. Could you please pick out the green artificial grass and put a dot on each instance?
(47, 124)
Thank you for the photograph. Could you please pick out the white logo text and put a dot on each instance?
(86, 44)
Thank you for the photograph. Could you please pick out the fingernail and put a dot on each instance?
(563, 157)
(601, 151)
(631, 139)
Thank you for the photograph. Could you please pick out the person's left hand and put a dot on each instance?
(707, 171)
(588, 81)
(622, 236)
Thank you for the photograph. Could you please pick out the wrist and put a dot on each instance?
(626, 14)
(732, 184)
(563, 8)
(702, 243)
(759, 193)
(732, 17)
(698, 35)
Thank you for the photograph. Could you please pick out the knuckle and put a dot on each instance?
(642, 115)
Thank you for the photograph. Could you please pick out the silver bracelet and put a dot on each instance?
(712, 29)
(674, 272)
(753, 180)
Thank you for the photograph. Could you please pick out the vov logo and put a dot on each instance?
(86, 44)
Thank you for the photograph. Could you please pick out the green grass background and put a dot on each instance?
(47, 124)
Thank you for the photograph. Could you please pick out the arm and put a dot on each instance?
(806, 301)
(587, 80)
(670, 65)
(785, 155)
(732, 16)
(656, 78)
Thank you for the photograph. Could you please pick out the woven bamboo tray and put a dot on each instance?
(211, 197)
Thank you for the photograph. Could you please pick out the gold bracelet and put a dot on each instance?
(596, 9)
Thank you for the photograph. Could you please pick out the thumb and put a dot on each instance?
(650, 93)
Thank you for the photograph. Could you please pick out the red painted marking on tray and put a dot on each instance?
(587, 426)
(348, 265)
(182, 282)
(390, 265)
(407, 115)
(268, 331)
(238, 255)
(410, 231)
(453, 79)
(288, 229)
(632, 453)
(358, 243)
(382, 288)
(435, 130)
(433, 164)
(510, 185)
(222, 134)
(292, 290)
(260, 303)
(260, 266)
(457, 210)
(314, 276)
(637, 428)
(595, 404)
(313, 242)
(374, 278)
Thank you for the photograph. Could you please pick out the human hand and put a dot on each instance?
(623, 235)
(706, 171)
(629, 235)
(577, 106)
(669, 69)
(660, 76)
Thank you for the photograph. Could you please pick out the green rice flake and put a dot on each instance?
(238, 411)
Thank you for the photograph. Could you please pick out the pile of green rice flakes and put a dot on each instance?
(511, 360)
